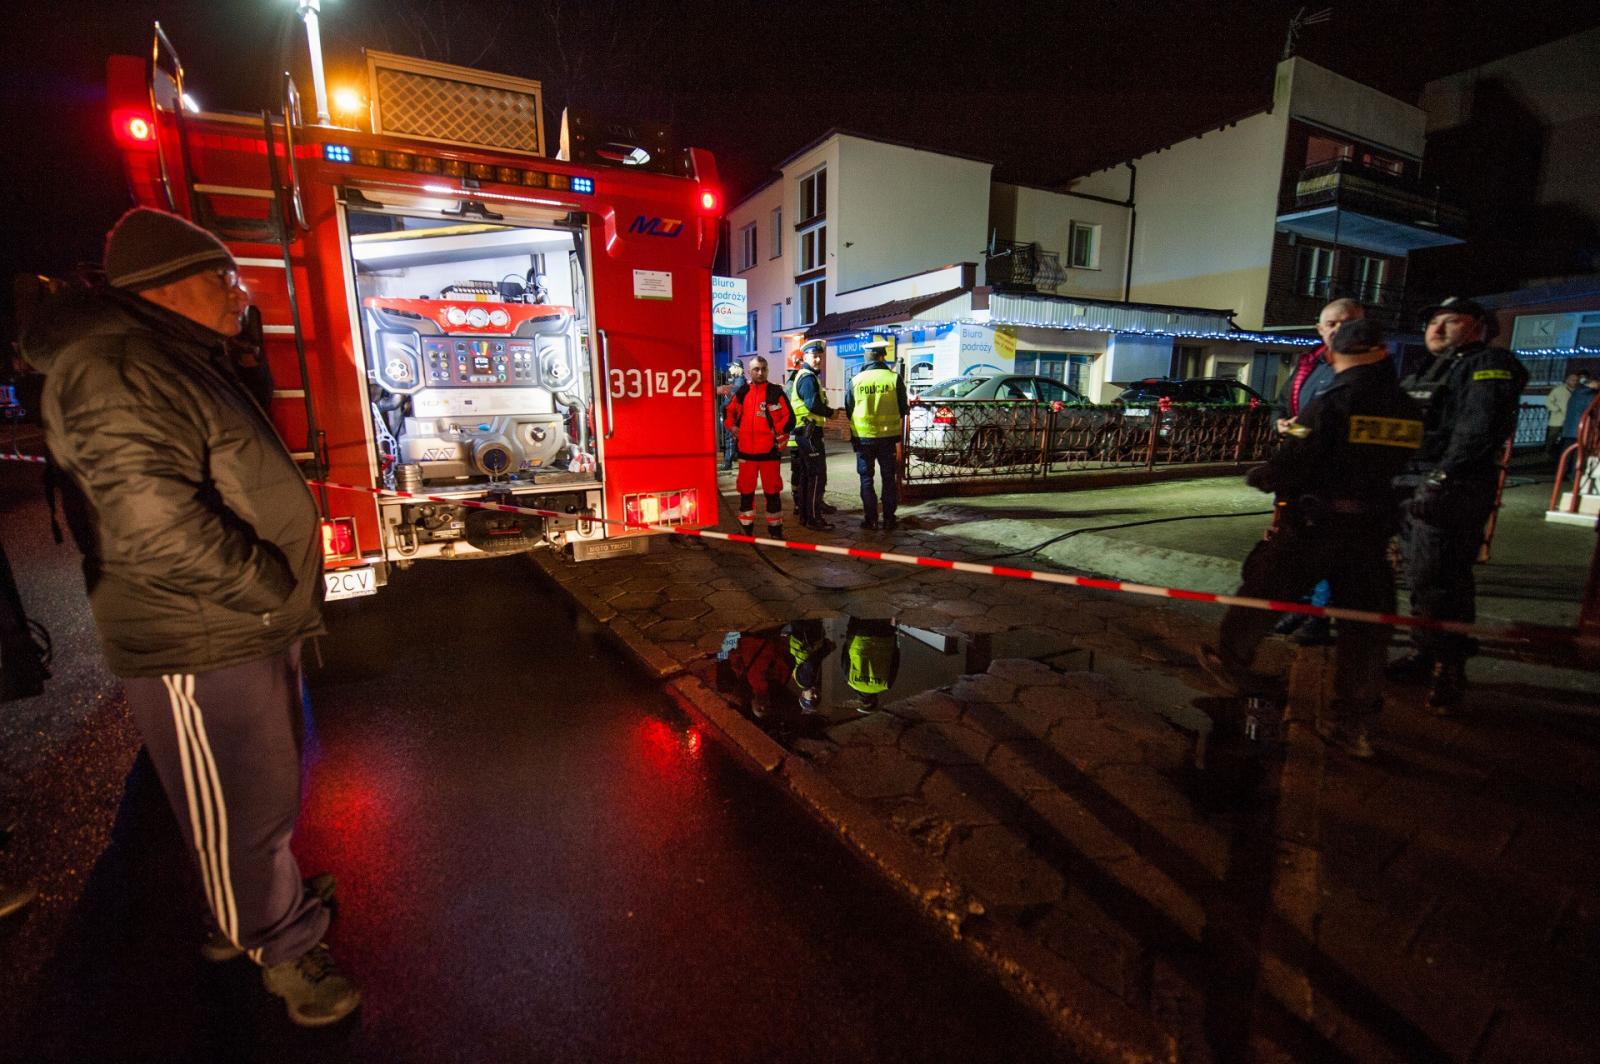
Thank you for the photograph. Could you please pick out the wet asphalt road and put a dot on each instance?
(539, 858)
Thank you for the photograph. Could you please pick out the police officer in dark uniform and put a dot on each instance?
(1333, 481)
(808, 458)
(1470, 392)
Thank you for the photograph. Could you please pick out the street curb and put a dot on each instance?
(1090, 1019)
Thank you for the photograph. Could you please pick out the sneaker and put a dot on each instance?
(1415, 667)
(1316, 632)
(219, 948)
(316, 992)
(1350, 737)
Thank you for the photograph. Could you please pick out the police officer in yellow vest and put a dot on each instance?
(876, 405)
(871, 660)
(808, 462)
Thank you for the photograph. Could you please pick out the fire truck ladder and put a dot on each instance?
(273, 228)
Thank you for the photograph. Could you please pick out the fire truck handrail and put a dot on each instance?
(605, 381)
(291, 115)
(159, 40)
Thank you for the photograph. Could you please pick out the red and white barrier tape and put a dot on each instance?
(1521, 633)
(1514, 632)
(23, 458)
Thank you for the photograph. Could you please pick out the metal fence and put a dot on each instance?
(1531, 424)
(965, 440)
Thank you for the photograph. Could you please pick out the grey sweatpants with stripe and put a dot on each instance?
(226, 745)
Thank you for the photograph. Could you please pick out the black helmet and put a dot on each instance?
(1457, 305)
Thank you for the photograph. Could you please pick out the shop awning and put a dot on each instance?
(895, 312)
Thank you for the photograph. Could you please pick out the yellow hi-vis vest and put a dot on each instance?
(871, 657)
(802, 413)
(875, 413)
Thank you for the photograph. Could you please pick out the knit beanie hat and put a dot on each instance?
(149, 248)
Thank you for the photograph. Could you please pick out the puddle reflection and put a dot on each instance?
(800, 678)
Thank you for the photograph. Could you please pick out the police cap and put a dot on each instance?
(813, 345)
(1355, 337)
(1472, 309)
(876, 345)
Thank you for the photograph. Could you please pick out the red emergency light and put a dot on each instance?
(133, 129)
(710, 201)
(339, 540)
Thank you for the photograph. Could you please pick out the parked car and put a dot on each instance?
(1138, 397)
(949, 425)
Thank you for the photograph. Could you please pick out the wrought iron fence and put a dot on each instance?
(957, 440)
(1532, 421)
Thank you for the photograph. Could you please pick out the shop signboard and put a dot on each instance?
(729, 296)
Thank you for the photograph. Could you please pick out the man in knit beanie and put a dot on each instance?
(203, 558)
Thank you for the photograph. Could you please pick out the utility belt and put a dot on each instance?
(1309, 511)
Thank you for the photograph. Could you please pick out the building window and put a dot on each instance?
(1083, 246)
(1371, 280)
(811, 308)
(747, 246)
(1326, 150)
(775, 234)
(750, 328)
(812, 244)
(813, 196)
(777, 326)
(1314, 275)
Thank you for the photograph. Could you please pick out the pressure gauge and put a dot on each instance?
(498, 317)
(477, 317)
(455, 316)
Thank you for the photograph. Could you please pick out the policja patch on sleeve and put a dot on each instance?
(1386, 431)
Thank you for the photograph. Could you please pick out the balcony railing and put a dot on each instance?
(1015, 265)
(1365, 189)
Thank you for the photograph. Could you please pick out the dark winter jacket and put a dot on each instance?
(1357, 436)
(201, 542)
(1471, 397)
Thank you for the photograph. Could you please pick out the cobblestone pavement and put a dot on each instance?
(1084, 816)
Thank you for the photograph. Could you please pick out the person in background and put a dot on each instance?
(1471, 393)
(876, 405)
(1333, 483)
(809, 458)
(730, 439)
(759, 416)
(1582, 395)
(1556, 402)
(1312, 376)
(203, 559)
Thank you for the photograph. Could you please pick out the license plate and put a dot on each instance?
(350, 583)
(1136, 412)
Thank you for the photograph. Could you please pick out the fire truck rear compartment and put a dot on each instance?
(476, 356)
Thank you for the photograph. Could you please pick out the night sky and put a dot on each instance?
(1045, 90)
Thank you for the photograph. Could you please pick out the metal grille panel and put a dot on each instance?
(435, 108)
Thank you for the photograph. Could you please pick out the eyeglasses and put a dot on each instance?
(229, 278)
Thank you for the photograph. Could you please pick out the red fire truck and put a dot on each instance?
(449, 312)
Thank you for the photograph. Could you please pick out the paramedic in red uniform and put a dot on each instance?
(761, 419)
